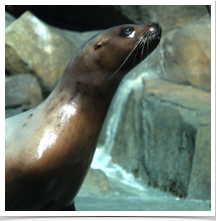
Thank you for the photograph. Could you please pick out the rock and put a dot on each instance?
(161, 132)
(34, 47)
(200, 181)
(188, 55)
(96, 183)
(79, 38)
(22, 92)
(173, 17)
(90, 17)
(8, 19)
(194, 105)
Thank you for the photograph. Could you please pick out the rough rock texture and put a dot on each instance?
(160, 137)
(176, 16)
(33, 47)
(96, 183)
(200, 181)
(22, 92)
(188, 55)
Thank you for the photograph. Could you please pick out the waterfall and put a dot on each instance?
(102, 158)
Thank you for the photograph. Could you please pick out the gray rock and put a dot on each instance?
(174, 16)
(79, 38)
(22, 92)
(188, 55)
(8, 19)
(159, 135)
(200, 181)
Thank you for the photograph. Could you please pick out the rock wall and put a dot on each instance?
(162, 135)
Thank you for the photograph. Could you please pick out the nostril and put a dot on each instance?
(155, 26)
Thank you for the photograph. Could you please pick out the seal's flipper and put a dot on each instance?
(68, 208)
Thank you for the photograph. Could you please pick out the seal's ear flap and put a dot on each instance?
(98, 45)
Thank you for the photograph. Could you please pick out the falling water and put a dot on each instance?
(102, 158)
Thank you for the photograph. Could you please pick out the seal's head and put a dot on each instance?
(107, 57)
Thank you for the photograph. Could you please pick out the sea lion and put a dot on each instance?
(49, 148)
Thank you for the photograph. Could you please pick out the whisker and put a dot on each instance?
(149, 58)
(148, 41)
(137, 43)
(141, 40)
(145, 72)
(161, 55)
(145, 40)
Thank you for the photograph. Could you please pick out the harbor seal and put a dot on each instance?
(49, 148)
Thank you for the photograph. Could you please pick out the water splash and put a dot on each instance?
(103, 161)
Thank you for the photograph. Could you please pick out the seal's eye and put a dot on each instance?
(128, 31)
(98, 45)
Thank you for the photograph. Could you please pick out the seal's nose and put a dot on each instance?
(155, 26)
(158, 26)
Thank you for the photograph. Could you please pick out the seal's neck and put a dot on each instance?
(86, 89)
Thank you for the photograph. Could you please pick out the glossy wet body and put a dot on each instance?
(49, 148)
